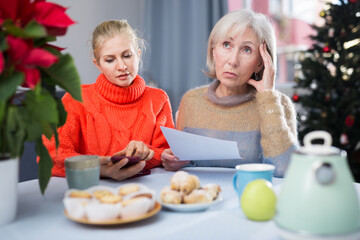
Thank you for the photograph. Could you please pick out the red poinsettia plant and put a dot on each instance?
(31, 69)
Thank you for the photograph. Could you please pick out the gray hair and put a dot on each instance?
(237, 21)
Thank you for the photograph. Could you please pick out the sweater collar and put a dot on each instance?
(227, 101)
(118, 94)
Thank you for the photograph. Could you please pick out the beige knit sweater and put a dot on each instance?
(264, 126)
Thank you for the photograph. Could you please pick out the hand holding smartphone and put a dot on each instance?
(132, 160)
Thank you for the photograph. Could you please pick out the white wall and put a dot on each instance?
(88, 14)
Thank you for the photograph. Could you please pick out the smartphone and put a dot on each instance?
(132, 160)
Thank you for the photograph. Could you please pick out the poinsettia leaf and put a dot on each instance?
(42, 107)
(12, 29)
(39, 42)
(3, 43)
(34, 30)
(47, 129)
(62, 112)
(56, 135)
(15, 131)
(64, 74)
(9, 84)
(2, 111)
(45, 165)
(53, 49)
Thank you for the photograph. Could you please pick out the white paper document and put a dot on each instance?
(187, 146)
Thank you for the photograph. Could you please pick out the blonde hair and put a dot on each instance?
(237, 21)
(110, 29)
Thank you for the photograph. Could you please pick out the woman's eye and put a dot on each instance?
(109, 60)
(128, 55)
(226, 44)
(247, 50)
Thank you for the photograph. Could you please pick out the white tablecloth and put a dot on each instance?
(42, 217)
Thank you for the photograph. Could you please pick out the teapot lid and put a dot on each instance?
(318, 149)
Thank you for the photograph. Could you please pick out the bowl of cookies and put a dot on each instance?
(186, 194)
(103, 205)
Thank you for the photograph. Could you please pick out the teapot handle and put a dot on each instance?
(318, 135)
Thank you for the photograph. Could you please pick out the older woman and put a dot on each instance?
(241, 104)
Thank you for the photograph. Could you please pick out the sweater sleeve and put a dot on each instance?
(69, 135)
(278, 129)
(159, 143)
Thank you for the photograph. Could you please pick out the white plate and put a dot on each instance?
(190, 207)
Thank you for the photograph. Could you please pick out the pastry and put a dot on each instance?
(198, 196)
(112, 199)
(100, 193)
(169, 195)
(212, 189)
(128, 189)
(135, 207)
(184, 182)
(80, 194)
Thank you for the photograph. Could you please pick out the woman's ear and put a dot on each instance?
(259, 66)
(213, 53)
(96, 64)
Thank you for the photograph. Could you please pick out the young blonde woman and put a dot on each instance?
(241, 104)
(119, 114)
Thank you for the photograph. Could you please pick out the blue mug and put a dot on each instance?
(246, 173)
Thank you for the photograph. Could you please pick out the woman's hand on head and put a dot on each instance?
(170, 162)
(117, 171)
(268, 79)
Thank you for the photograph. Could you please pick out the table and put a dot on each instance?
(42, 217)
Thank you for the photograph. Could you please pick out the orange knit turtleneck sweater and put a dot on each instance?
(109, 118)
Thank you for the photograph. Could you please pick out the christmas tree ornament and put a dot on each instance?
(327, 97)
(344, 139)
(343, 33)
(295, 97)
(322, 13)
(303, 118)
(326, 49)
(331, 32)
(313, 85)
(323, 114)
(349, 120)
(345, 77)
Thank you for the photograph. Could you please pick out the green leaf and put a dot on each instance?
(42, 107)
(64, 74)
(2, 111)
(15, 131)
(47, 129)
(34, 30)
(56, 135)
(9, 84)
(45, 165)
(3, 43)
(62, 112)
(11, 28)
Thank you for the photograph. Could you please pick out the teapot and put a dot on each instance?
(318, 198)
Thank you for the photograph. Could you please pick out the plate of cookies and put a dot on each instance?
(103, 205)
(185, 193)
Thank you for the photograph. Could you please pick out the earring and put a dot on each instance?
(256, 77)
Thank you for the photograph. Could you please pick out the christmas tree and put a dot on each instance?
(328, 84)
